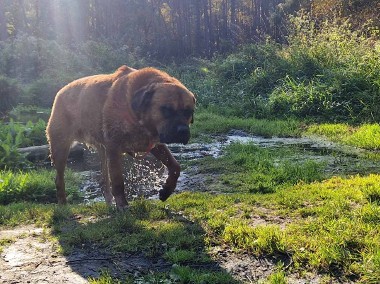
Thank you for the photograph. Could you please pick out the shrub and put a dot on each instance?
(9, 94)
(13, 136)
(334, 73)
(42, 92)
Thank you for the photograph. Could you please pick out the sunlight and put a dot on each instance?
(70, 21)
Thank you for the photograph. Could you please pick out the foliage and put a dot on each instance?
(366, 136)
(208, 123)
(9, 94)
(334, 72)
(34, 186)
(29, 113)
(327, 72)
(13, 136)
(258, 170)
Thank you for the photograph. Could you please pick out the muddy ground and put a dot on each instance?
(32, 257)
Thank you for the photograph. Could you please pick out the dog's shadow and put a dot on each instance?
(148, 242)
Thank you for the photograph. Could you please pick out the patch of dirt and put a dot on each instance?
(31, 258)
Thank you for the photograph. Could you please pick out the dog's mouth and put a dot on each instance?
(178, 134)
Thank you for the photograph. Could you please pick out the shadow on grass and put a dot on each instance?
(147, 243)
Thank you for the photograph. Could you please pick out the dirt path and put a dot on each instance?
(32, 259)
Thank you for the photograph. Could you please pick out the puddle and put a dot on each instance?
(144, 178)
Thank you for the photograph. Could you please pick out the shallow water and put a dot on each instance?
(145, 177)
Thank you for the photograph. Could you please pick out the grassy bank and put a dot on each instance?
(365, 136)
(266, 207)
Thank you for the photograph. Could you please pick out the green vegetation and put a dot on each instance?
(323, 81)
(325, 225)
(15, 135)
(207, 123)
(329, 226)
(366, 136)
(35, 186)
(329, 73)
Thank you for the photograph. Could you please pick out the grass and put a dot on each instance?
(269, 205)
(330, 226)
(35, 186)
(366, 136)
(206, 122)
(5, 242)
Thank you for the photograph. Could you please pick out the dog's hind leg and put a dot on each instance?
(105, 183)
(161, 152)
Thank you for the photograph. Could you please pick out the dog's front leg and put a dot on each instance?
(161, 152)
(115, 173)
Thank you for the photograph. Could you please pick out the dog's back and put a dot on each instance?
(77, 109)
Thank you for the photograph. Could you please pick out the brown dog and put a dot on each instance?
(129, 111)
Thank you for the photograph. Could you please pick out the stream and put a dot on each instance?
(144, 177)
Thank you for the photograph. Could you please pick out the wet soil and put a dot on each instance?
(32, 257)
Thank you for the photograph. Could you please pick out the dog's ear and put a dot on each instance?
(142, 98)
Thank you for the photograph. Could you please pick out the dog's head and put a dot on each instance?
(167, 109)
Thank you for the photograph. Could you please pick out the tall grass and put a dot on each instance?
(334, 72)
(366, 136)
(326, 72)
(35, 186)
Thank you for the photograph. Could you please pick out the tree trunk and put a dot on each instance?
(3, 24)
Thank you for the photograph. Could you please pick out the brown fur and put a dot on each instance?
(127, 111)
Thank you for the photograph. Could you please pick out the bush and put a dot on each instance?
(334, 74)
(9, 94)
(42, 92)
(327, 72)
(13, 136)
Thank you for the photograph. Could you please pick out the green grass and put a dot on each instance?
(35, 186)
(269, 204)
(250, 168)
(366, 136)
(330, 226)
(5, 242)
(207, 122)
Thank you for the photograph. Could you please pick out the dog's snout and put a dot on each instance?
(183, 130)
(183, 133)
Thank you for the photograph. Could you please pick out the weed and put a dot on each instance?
(278, 277)
(4, 243)
(35, 186)
(207, 122)
(15, 135)
(366, 136)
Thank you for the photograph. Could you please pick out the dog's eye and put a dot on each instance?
(168, 111)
